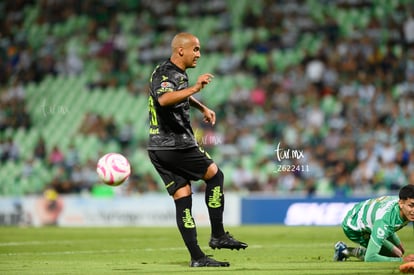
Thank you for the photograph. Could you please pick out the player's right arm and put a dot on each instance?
(377, 241)
(169, 98)
(372, 254)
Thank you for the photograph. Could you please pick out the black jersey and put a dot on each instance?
(169, 125)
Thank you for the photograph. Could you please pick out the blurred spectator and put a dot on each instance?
(242, 179)
(76, 177)
(61, 182)
(111, 129)
(93, 124)
(9, 151)
(403, 155)
(104, 76)
(240, 95)
(362, 177)
(16, 92)
(72, 64)
(388, 153)
(287, 183)
(56, 157)
(390, 177)
(315, 118)
(258, 96)
(89, 175)
(71, 158)
(246, 141)
(28, 168)
(408, 28)
(49, 207)
(40, 149)
(139, 184)
(126, 135)
(230, 62)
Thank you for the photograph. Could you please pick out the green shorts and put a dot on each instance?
(361, 238)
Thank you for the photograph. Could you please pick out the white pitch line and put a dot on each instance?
(4, 244)
(106, 251)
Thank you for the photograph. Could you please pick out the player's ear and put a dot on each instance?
(181, 51)
(400, 203)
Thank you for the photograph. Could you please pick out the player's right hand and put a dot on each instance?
(204, 79)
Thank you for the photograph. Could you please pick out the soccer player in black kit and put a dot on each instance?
(175, 153)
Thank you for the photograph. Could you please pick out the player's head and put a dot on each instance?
(406, 202)
(185, 49)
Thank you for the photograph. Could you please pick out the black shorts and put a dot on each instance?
(178, 167)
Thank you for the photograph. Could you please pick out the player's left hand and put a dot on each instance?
(209, 116)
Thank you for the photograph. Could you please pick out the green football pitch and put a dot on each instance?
(143, 250)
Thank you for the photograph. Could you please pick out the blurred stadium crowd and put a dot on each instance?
(329, 85)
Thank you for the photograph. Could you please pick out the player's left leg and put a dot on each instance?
(358, 252)
(343, 252)
(214, 198)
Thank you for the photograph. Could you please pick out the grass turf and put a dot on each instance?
(143, 250)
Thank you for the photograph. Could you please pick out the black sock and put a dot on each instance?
(214, 198)
(187, 226)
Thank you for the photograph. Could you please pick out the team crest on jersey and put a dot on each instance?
(166, 84)
(166, 87)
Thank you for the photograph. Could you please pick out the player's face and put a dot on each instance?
(192, 53)
(407, 209)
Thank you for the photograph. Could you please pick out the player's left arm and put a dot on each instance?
(209, 115)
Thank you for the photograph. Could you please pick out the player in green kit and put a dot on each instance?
(373, 225)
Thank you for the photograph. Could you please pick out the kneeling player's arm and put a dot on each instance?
(395, 239)
(373, 252)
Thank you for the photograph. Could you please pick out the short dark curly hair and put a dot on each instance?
(407, 192)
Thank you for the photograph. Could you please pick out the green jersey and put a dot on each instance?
(373, 224)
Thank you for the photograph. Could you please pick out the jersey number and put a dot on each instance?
(152, 116)
(380, 233)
